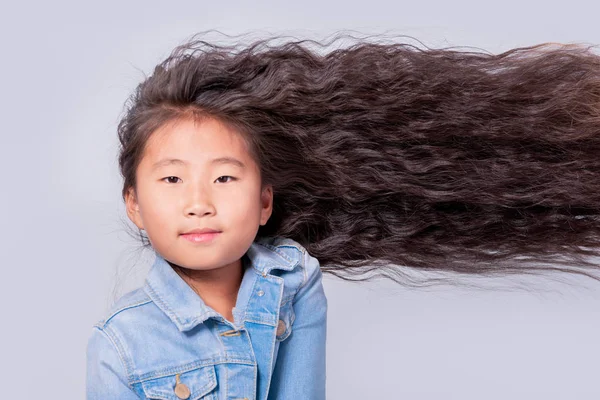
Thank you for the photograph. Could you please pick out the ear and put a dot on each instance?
(266, 199)
(133, 209)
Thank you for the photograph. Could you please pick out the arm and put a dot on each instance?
(105, 374)
(300, 367)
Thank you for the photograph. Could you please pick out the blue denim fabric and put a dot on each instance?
(163, 333)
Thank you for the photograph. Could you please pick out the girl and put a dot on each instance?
(219, 316)
(244, 166)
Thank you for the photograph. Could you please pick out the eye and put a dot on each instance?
(169, 177)
(227, 176)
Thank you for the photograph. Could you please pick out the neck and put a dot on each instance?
(218, 287)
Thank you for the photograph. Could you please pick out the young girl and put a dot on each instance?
(219, 316)
(245, 166)
(223, 314)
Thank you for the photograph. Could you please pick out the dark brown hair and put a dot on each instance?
(386, 155)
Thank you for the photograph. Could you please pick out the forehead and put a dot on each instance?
(195, 140)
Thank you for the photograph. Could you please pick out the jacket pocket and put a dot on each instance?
(199, 383)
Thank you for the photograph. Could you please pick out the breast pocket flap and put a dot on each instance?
(196, 383)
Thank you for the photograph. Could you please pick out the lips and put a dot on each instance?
(200, 231)
(204, 235)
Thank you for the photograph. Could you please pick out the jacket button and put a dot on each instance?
(280, 328)
(181, 390)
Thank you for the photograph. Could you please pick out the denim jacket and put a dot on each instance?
(161, 341)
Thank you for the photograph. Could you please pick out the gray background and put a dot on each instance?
(67, 68)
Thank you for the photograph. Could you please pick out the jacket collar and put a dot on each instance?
(185, 308)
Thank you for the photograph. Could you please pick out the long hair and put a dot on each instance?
(387, 156)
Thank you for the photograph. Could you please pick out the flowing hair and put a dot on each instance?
(387, 157)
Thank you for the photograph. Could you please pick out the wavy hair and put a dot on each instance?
(387, 157)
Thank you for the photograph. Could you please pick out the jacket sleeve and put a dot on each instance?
(300, 366)
(105, 374)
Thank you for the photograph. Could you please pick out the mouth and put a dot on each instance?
(203, 237)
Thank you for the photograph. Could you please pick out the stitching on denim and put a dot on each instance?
(171, 313)
(262, 321)
(245, 306)
(271, 320)
(284, 241)
(276, 250)
(113, 339)
(256, 279)
(300, 249)
(288, 298)
(291, 296)
(292, 316)
(226, 381)
(304, 281)
(255, 369)
(274, 342)
(165, 372)
(304, 271)
(211, 382)
(164, 306)
(123, 309)
(222, 344)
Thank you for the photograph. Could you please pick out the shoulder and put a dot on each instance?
(292, 251)
(308, 263)
(131, 323)
(127, 303)
(306, 268)
(281, 245)
(109, 334)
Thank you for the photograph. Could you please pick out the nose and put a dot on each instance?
(198, 201)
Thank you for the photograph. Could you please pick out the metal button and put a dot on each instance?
(181, 390)
(280, 328)
(260, 293)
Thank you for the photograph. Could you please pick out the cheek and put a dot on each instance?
(158, 202)
(242, 202)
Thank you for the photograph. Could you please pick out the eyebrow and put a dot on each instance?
(219, 160)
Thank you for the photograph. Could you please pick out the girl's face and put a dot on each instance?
(195, 192)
